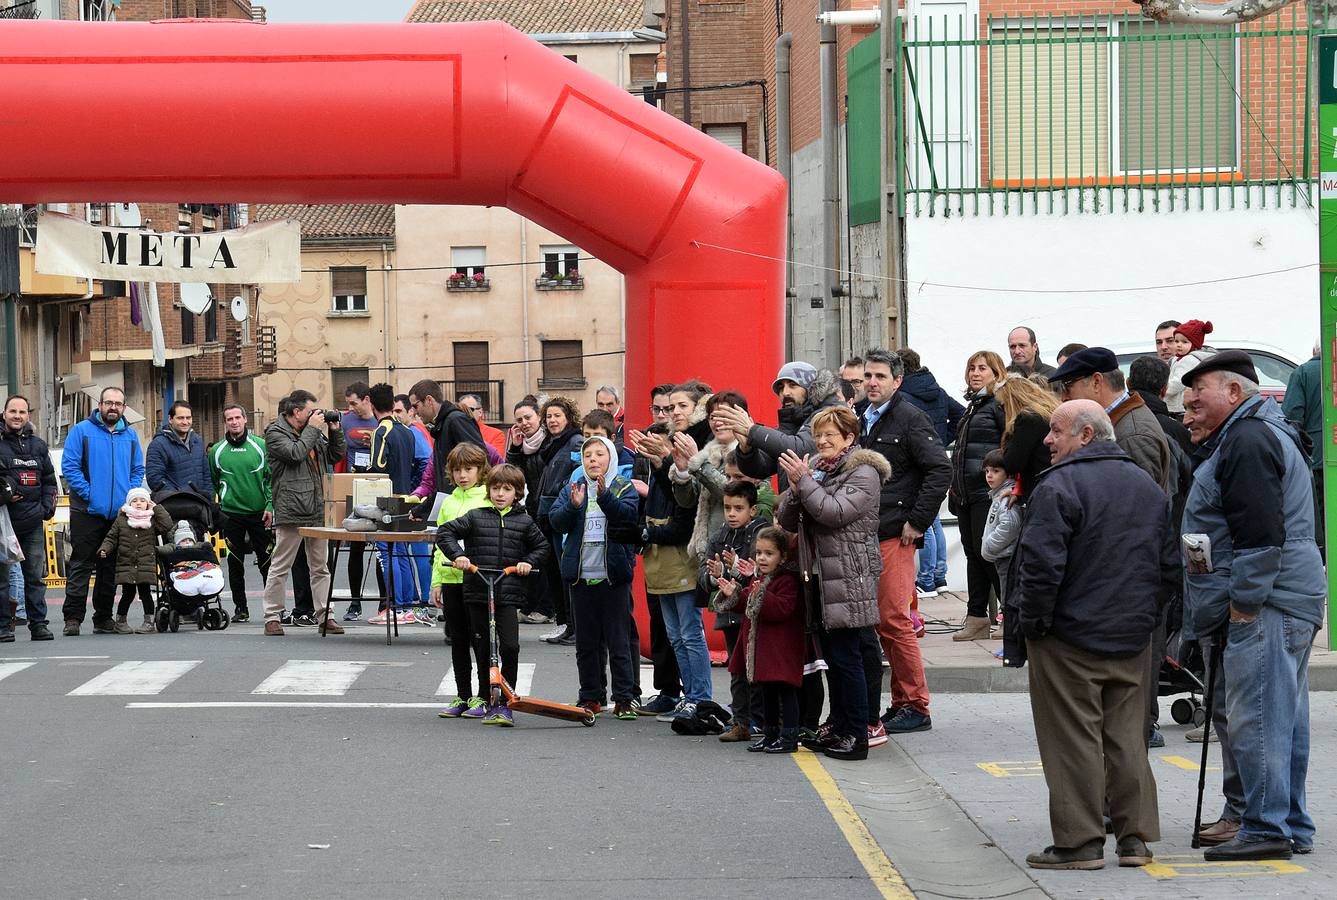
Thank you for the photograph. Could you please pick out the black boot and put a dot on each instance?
(787, 742)
(764, 743)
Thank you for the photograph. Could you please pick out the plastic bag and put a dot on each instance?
(10, 551)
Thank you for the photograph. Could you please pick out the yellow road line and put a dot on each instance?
(881, 872)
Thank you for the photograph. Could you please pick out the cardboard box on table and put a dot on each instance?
(339, 493)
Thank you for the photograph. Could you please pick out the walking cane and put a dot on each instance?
(1213, 666)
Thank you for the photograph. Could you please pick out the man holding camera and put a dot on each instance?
(28, 491)
(300, 445)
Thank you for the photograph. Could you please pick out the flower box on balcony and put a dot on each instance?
(458, 282)
(560, 281)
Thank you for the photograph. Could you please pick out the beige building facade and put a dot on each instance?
(330, 327)
(544, 318)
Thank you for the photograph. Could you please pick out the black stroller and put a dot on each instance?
(1182, 670)
(206, 608)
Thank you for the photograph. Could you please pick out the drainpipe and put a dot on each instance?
(686, 62)
(784, 163)
(830, 194)
(524, 304)
(385, 307)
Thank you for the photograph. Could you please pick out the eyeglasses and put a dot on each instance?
(660, 410)
(113, 404)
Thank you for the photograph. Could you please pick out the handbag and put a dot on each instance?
(10, 551)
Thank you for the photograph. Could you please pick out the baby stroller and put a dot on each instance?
(190, 581)
(1181, 671)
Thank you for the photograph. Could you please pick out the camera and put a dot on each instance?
(331, 416)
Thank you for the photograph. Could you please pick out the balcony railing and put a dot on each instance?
(267, 349)
(28, 226)
(492, 392)
(560, 282)
(23, 9)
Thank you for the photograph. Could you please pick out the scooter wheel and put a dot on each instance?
(1199, 717)
(496, 697)
(588, 721)
(174, 622)
(1182, 710)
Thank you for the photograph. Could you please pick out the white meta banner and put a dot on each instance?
(264, 253)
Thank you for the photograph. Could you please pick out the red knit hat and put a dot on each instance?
(1196, 331)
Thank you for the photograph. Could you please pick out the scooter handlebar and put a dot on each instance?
(509, 570)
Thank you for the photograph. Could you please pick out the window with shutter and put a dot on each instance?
(1176, 98)
(469, 260)
(733, 135)
(340, 379)
(349, 287)
(472, 369)
(1048, 103)
(643, 67)
(559, 258)
(563, 365)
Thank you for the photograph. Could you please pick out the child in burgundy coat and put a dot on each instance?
(770, 638)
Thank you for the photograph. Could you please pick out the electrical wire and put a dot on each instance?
(508, 362)
(505, 265)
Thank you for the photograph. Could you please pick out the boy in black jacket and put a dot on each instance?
(733, 541)
(496, 536)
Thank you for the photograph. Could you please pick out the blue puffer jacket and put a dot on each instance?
(178, 465)
(100, 466)
(1252, 495)
(620, 504)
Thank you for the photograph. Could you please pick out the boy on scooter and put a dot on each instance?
(495, 536)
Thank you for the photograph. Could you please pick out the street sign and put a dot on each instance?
(1327, 255)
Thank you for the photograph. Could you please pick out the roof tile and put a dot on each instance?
(536, 16)
(333, 220)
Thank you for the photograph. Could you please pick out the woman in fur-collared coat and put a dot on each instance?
(832, 504)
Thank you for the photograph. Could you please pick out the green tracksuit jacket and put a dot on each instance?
(241, 473)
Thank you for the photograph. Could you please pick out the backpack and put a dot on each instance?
(710, 718)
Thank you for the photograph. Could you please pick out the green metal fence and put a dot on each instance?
(1097, 113)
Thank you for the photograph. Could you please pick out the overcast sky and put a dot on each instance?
(336, 10)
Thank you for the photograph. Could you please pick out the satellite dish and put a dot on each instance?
(196, 297)
(240, 309)
(127, 214)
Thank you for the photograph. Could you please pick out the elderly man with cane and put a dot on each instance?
(1254, 578)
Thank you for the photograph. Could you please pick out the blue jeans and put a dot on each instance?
(1267, 692)
(406, 590)
(33, 569)
(687, 634)
(932, 559)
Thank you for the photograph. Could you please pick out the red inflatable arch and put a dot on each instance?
(468, 113)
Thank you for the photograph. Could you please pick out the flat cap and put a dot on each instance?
(1085, 362)
(1237, 361)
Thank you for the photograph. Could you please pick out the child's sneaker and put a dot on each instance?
(454, 709)
(379, 619)
(625, 709)
(499, 715)
(593, 707)
(877, 735)
(476, 709)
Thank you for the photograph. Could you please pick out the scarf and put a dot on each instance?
(827, 466)
(138, 518)
(753, 612)
(532, 443)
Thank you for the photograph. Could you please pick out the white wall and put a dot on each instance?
(1106, 250)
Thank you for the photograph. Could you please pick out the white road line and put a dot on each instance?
(135, 677)
(318, 677)
(9, 668)
(40, 658)
(285, 704)
(524, 681)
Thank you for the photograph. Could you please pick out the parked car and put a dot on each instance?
(1273, 366)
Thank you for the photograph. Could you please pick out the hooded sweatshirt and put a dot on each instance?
(594, 542)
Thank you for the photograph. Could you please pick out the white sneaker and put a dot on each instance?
(926, 595)
(555, 633)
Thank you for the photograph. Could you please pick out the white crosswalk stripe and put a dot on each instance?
(524, 681)
(9, 668)
(326, 678)
(136, 677)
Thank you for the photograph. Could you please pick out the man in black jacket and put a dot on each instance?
(1090, 569)
(920, 476)
(449, 425)
(28, 491)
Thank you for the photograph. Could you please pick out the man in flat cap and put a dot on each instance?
(1094, 374)
(1260, 586)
